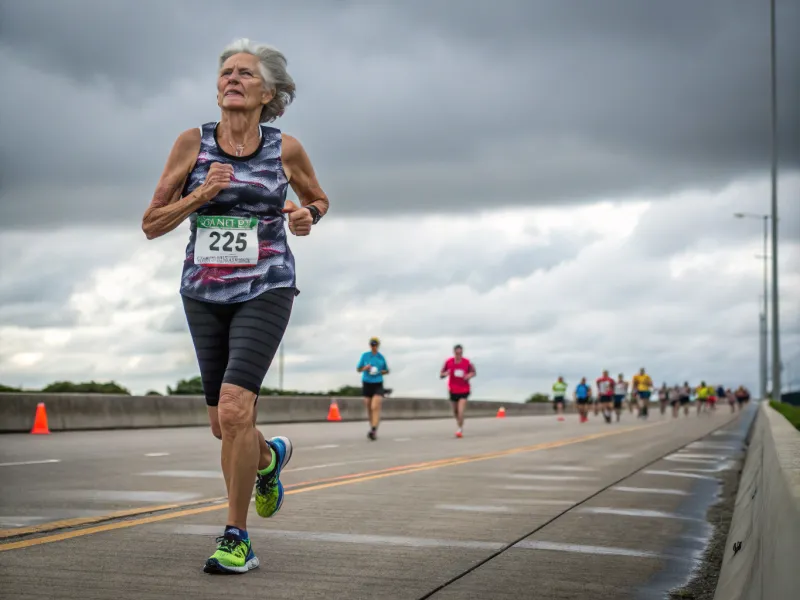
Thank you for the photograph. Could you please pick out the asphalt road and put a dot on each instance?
(523, 507)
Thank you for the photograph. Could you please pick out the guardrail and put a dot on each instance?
(763, 545)
(70, 412)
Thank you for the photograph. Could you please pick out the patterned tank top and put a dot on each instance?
(255, 197)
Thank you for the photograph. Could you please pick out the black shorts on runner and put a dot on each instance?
(582, 400)
(457, 397)
(684, 400)
(235, 343)
(606, 398)
(644, 395)
(618, 401)
(368, 390)
(558, 400)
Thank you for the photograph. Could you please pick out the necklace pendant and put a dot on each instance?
(239, 150)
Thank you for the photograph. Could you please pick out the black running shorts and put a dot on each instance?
(457, 397)
(235, 343)
(370, 389)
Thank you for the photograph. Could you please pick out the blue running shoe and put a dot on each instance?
(269, 489)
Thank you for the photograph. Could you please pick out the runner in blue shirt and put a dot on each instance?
(583, 394)
(373, 367)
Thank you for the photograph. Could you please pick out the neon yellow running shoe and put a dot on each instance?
(269, 489)
(232, 556)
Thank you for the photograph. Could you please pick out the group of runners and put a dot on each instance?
(612, 396)
(372, 365)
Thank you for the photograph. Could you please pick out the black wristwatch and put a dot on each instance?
(315, 214)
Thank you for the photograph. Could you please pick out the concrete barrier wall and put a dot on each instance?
(766, 519)
(66, 412)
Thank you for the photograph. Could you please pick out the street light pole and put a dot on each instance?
(764, 346)
(776, 348)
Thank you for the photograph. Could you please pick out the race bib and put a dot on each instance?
(373, 370)
(458, 373)
(226, 242)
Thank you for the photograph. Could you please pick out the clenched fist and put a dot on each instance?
(300, 219)
(218, 178)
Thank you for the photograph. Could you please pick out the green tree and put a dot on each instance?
(537, 397)
(187, 387)
(91, 387)
(8, 389)
(153, 393)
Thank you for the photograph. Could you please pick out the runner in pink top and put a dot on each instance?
(460, 370)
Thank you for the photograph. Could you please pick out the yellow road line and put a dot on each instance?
(77, 522)
(311, 486)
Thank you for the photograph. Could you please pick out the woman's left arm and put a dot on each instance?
(300, 172)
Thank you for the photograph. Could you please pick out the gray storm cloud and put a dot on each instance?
(415, 107)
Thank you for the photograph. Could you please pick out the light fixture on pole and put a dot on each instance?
(765, 345)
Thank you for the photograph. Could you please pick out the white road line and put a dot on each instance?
(402, 439)
(568, 468)
(533, 502)
(475, 508)
(628, 512)
(154, 454)
(30, 462)
(346, 538)
(546, 477)
(617, 456)
(323, 447)
(184, 474)
(541, 488)
(583, 549)
(684, 456)
(711, 446)
(640, 490)
(678, 474)
(716, 469)
(415, 542)
(328, 465)
(156, 496)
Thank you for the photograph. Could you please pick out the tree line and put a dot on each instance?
(185, 387)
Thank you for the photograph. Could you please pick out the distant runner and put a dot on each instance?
(674, 399)
(702, 397)
(583, 394)
(620, 393)
(642, 384)
(731, 398)
(712, 398)
(742, 396)
(559, 395)
(685, 397)
(460, 370)
(373, 367)
(663, 398)
(605, 393)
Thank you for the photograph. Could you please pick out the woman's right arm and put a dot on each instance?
(167, 209)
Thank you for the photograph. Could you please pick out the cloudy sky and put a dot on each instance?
(549, 182)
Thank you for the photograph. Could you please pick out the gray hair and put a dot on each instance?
(272, 65)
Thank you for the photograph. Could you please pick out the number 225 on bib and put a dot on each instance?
(226, 242)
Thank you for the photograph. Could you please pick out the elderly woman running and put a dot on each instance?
(238, 284)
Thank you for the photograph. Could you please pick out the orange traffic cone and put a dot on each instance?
(333, 412)
(501, 412)
(40, 420)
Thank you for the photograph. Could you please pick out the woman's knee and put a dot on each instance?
(235, 409)
(213, 421)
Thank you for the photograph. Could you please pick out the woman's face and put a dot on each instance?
(240, 86)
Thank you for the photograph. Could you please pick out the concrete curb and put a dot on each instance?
(73, 412)
(763, 545)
